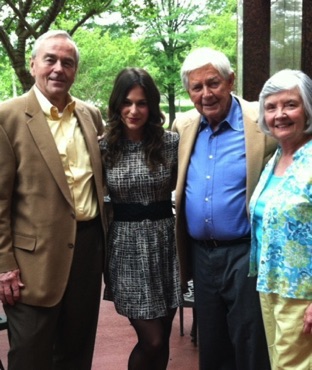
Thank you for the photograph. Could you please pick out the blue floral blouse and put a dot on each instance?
(285, 266)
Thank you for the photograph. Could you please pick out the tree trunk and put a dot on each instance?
(25, 78)
(171, 103)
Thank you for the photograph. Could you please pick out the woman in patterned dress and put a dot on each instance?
(140, 165)
(281, 215)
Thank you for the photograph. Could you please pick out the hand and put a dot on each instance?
(101, 137)
(10, 285)
(307, 320)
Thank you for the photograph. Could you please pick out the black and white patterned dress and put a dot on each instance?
(143, 272)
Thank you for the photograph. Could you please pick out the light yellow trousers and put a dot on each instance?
(289, 347)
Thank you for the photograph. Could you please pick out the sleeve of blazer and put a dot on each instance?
(7, 178)
(95, 114)
(91, 120)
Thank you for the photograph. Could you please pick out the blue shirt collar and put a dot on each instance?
(234, 117)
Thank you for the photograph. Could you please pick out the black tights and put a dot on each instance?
(152, 350)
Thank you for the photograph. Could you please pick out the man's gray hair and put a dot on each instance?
(201, 57)
(53, 34)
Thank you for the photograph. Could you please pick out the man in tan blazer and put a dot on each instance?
(221, 155)
(51, 215)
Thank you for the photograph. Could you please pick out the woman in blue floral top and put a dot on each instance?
(281, 216)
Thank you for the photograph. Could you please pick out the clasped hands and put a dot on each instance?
(307, 320)
(10, 285)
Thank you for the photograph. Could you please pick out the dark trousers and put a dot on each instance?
(230, 327)
(62, 337)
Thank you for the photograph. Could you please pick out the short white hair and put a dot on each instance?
(287, 79)
(203, 56)
(52, 34)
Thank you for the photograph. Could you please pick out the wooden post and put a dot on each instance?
(256, 47)
(306, 45)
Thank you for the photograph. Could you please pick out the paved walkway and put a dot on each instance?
(116, 338)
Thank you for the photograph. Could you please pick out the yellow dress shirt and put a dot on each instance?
(74, 156)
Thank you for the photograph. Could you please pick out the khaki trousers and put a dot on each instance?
(289, 347)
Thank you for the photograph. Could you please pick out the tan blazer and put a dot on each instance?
(259, 148)
(37, 217)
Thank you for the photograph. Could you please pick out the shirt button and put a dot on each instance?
(210, 157)
(70, 245)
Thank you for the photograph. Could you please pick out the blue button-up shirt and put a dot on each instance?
(216, 180)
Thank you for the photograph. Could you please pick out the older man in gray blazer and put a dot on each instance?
(221, 155)
(51, 215)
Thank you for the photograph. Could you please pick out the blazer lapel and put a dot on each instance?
(90, 133)
(90, 136)
(187, 140)
(44, 140)
(255, 148)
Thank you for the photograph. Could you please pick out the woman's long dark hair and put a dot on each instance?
(153, 132)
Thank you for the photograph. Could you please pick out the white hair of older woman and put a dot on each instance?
(287, 79)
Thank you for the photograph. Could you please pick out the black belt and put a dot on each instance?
(86, 224)
(139, 212)
(213, 243)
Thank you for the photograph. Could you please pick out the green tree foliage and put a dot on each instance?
(220, 31)
(21, 22)
(167, 30)
(9, 85)
(153, 34)
(170, 28)
(102, 57)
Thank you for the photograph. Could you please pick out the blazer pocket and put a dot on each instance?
(27, 243)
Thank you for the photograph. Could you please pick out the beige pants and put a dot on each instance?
(289, 347)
